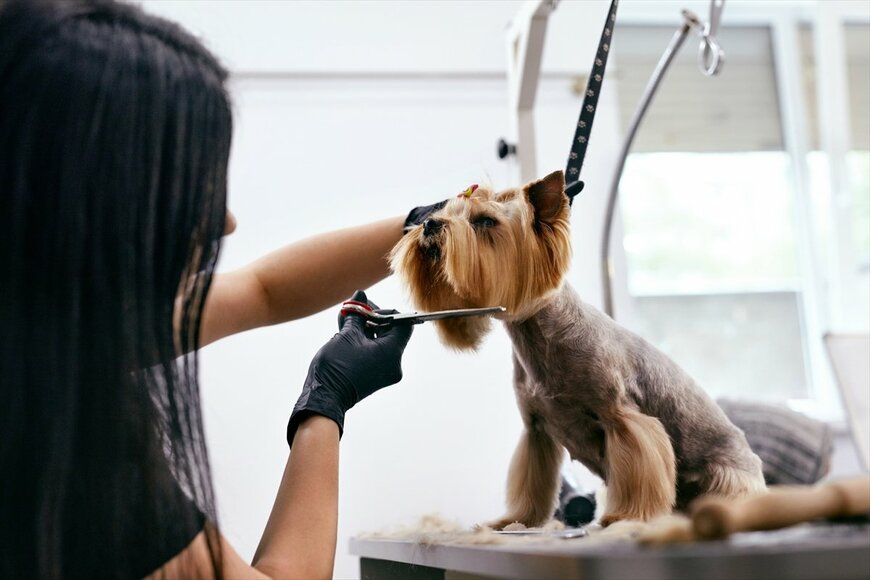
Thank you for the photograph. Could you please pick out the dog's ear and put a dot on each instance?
(547, 196)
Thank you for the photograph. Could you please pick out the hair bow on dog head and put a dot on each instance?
(468, 191)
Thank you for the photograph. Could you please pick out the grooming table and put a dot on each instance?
(809, 551)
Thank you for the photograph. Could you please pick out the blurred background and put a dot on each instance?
(741, 239)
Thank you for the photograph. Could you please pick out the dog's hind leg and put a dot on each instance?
(533, 479)
(731, 482)
(641, 469)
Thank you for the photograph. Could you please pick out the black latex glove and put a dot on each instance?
(351, 366)
(419, 214)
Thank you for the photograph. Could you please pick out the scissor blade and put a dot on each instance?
(417, 318)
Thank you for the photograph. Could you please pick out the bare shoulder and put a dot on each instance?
(195, 562)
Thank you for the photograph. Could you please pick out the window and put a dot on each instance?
(857, 39)
(847, 229)
(710, 240)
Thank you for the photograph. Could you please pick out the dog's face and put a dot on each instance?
(509, 249)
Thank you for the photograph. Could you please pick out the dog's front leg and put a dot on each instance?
(533, 479)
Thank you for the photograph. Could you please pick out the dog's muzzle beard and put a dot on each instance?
(431, 251)
(430, 239)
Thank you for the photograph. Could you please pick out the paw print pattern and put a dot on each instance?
(590, 99)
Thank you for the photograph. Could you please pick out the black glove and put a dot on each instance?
(351, 366)
(419, 214)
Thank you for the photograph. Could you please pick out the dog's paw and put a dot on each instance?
(670, 529)
(504, 524)
(608, 519)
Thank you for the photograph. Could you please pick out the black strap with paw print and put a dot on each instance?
(590, 103)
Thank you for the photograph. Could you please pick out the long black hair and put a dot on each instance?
(115, 132)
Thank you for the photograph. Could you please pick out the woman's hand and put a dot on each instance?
(419, 214)
(351, 366)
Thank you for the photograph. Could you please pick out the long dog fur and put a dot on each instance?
(615, 402)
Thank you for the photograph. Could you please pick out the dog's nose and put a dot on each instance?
(431, 227)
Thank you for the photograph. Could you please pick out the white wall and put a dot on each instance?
(350, 112)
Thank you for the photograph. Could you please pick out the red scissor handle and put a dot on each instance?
(356, 307)
(373, 318)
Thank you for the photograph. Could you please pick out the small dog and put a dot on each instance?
(614, 401)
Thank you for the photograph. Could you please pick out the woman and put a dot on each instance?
(114, 139)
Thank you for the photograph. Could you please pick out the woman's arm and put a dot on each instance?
(299, 279)
(299, 540)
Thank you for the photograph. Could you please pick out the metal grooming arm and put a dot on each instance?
(525, 47)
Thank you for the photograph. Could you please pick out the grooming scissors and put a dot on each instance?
(377, 320)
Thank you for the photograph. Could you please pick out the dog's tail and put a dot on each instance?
(641, 468)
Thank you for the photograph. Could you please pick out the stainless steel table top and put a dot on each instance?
(817, 551)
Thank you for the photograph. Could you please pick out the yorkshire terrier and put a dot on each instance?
(617, 404)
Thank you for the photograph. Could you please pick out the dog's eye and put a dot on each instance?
(484, 221)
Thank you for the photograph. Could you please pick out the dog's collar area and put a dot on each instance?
(573, 189)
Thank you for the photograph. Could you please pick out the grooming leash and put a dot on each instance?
(587, 112)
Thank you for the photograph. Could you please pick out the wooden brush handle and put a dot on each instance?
(715, 518)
